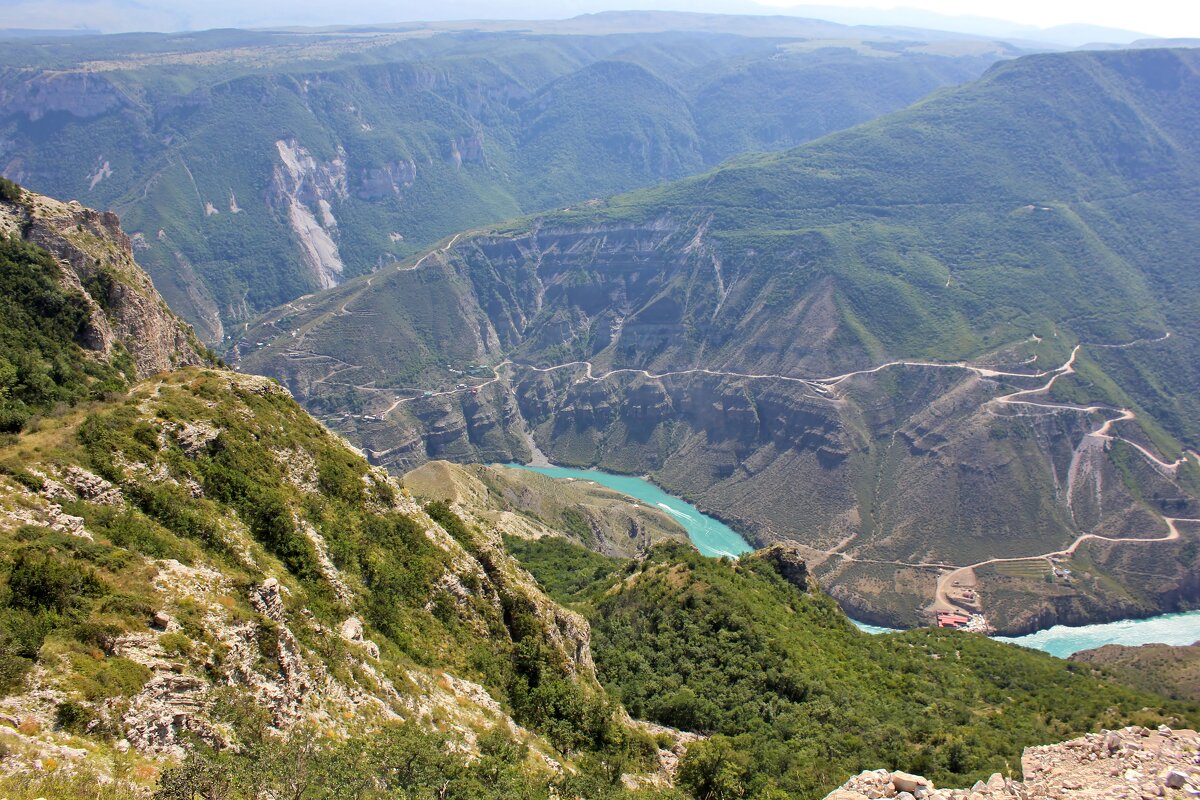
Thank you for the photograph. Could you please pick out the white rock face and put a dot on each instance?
(306, 189)
(103, 171)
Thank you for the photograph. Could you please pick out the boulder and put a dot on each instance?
(904, 782)
(352, 629)
(1175, 779)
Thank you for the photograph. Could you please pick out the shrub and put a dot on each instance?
(12, 671)
(10, 192)
(72, 717)
(119, 677)
(47, 581)
(101, 636)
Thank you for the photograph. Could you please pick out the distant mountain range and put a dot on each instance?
(124, 15)
(255, 167)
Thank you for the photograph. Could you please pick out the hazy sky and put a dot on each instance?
(1167, 18)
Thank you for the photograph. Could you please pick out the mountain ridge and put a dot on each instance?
(396, 139)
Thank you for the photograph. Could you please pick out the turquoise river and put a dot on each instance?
(714, 538)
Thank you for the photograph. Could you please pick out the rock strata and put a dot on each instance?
(1132, 763)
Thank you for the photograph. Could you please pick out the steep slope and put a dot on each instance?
(1160, 668)
(195, 565)
(962, 333)
(796, 698)
(255, 167)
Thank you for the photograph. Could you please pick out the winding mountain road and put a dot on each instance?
(825, 387)
(944, 602)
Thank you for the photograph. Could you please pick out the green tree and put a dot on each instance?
(714, 770)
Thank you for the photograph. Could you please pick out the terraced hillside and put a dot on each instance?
(955, 336)
(253, 167)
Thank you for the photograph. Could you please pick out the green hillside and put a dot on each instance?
(1159, 668)
(41, 363)
(191, 565)
(1026, 238)
(392, 140)
(795, 697)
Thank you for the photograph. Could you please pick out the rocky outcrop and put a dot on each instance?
(391, 179)
(466, 150)
(352, 631)
(168, 712)
(788, 561)
(97, 260)
(1133, 763)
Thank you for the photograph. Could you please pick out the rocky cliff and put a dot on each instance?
(97, 261)
(34, 94)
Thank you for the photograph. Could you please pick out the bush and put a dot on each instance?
(100, 636)
(119, 677)
(42, 581)
(72, 717)
(12, 671)
(10, 192)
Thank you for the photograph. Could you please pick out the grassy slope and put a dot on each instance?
(1170, 671)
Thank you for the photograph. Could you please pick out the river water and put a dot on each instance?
(714, 538)
(710, 536)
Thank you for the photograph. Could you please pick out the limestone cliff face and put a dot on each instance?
(97, 260)
(392, 178)
(34, 94)
(305, 190)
